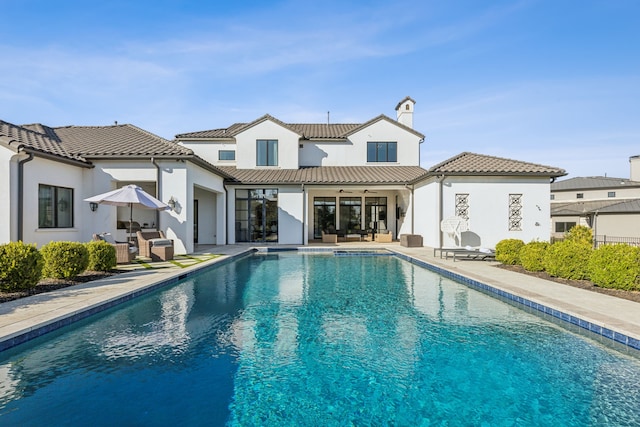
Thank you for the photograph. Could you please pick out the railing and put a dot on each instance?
(607, 240)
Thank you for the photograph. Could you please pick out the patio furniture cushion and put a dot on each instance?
(161, 242)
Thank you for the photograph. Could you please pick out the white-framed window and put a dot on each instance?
(515, 212)
(267, 152)
(579, 195)
(611, 194)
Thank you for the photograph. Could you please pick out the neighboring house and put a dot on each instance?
(47, 172)
(610, 206)
(291, 182)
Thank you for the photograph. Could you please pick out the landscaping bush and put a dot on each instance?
(102, 256)
(508, 251)
(63, 260)
(616, 266)
(532, 255)
(580, 233)
(20, 266)
(568, 259)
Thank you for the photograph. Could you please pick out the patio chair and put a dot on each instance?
(125, 252)
(155, 245)
(329, 237)
(384, 237)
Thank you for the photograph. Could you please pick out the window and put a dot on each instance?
(580, 196)
(563, 227)
(553, 197)
(324, 215)
(462, 206)
(350, 214)
(226, 155)
(375, 216)
(382, 152)
(611, 194)
(55, 207)
(515, 212)
(267, 152)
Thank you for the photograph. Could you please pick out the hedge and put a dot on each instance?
(616, 266)
(64, 260)
(568, 259)
(532, 255)
(508, 251)
(102, 256)
(20, 266)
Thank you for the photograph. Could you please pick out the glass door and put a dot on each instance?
(324, 216)
(376, 213)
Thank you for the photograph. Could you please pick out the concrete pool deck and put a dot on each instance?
(32, 316)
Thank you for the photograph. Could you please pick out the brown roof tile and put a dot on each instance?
(305, 130)
(478, 164)
(328, 175)
(40, 141)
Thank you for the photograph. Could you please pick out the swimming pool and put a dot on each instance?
(288, 339)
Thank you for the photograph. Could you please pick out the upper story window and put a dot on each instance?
(267, 152)
(226, 155)
(611, 194)
(553, 197)
(580, 196)
(55, 207)
(382, 151)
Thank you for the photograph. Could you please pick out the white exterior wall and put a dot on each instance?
(616, 225)
(8, 193)
(208, 150)
(42, 171)
(425, 213)
(489, 209)
(287, 145)
(291, 215)
(209, 189)
(382, 131)
(319, 153)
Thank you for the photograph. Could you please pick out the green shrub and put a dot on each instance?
(63, 260)
(532, 255)
(508, 251)
(616, 266)
(102, 256)
(568, 259)
(20, 266)
(580, 233)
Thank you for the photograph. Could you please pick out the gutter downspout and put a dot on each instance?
(158, 192)
(413, 208)
(21, 194)
(304, 211)
(440, 180)
(226, 213)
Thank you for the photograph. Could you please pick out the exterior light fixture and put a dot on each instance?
(172, 203)
(93, 206)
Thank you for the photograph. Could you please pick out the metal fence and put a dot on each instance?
(607, 240)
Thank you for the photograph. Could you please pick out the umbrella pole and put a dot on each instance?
(130, 222)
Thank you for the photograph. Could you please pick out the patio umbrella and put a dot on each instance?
(130, 195)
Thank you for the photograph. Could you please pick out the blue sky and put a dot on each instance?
(555, 82)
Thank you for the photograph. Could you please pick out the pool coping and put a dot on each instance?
(33, 321)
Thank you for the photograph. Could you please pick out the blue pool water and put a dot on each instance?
(294, 340)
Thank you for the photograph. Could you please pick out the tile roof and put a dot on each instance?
(592, 183)
(117, 140)
(600, 206)
(326, 131)
(42, 142)
(328, 175)
(478, 164)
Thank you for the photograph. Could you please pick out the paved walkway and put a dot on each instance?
(31, 315)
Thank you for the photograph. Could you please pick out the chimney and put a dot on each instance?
(634, 164)
(404, 111)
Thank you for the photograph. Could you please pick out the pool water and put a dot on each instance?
(294, 340)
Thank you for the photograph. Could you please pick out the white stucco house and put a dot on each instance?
(47, 172)
(292, 181)
(266, 182)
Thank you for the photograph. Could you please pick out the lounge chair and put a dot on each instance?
(480, 254)
(125, 252)
(155, 245)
